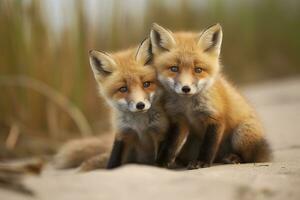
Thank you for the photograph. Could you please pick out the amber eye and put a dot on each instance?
(174, 69)
(198, 70)
(123, 89)
(146, 84)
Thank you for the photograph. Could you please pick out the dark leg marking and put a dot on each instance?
(116, 154)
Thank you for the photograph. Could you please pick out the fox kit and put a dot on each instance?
(202, 102)
(130, 87)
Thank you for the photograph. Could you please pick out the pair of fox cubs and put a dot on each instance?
(173, 105)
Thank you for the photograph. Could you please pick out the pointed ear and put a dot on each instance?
(161, 39)
(211, 39)
(144, 53)
(102, 63)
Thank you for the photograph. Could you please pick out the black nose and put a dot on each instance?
(140, 106)
(186, 89)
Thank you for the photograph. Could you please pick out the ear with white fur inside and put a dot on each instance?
(161, 39)
(144, 53)
(102, 63)
(211, 40)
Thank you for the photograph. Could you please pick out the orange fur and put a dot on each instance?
(128, 73)
(212, 103)
(129, 85)
(76, 152)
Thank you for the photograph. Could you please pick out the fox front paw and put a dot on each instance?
(171, 165)
(198, 164)
(194, 165)
(205, 165)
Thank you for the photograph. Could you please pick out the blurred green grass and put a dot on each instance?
(261, 41)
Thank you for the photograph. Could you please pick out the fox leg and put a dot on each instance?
(123, 143)
(177, 143)
(116, 154)
(156, 142)
(164, 145)
(213, 137)
(209, 147)
(146, 148)
(157, 137)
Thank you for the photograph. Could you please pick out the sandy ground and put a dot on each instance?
(278, 104)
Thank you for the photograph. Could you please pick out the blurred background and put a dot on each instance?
(48, 93)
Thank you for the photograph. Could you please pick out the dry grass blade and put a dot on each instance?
(53, 95)
(12, 137)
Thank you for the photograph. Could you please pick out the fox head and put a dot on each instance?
(186, 63)
(125, 79)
